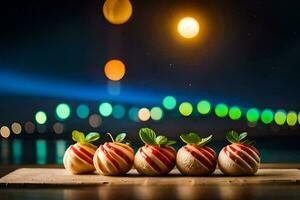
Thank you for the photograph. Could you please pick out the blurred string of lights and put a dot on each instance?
(142, 114)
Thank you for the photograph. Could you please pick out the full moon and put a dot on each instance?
(188, 27)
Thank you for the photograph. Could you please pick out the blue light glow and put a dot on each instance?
(118, 111)
(83, 111)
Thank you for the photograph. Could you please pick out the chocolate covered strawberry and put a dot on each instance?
(240, 157)
(78, 158)
(194, 158)
(157, 157)
(114, 158)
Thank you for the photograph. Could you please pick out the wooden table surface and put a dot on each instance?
(211, 191)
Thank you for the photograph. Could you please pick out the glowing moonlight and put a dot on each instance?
(188, 27)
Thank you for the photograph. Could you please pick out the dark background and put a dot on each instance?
(247, 54)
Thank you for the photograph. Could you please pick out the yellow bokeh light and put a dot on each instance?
(117, 11)
(16, 128)
(144, 114)
(5, 132)
(114, 70)
(188, 27)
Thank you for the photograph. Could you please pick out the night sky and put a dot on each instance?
(247, 52)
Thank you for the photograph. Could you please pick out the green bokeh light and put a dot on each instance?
(105, 109)
(291, 118)
(17, 151)
(63, 111)
(267, 116)
(203, 107)
(221, 110)
(280, 117)
(252, 115)
(156, 113)
(40, 117)
(60, 146)
(133, 114)
(83, 111)
(169, 102)
(118, 111)
(186, 108)
(41, 151)
(235, 113)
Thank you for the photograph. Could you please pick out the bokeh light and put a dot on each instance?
(114, 70)
(156, 113)
(95, 120)
(63, 111)
(40, 117)
(29, 127)
(5, 132)
(117, 11)
(16, 128)
(221, 110)
(203, 107)
(58, 128)
(235, 113)
(17, 146)
(118, 111)
(113, 87)
(299, 117)
(188, 27)
(60, 146)
(105, 109)
(280, 117)
(41, 151)
(169, 102)
(133, 114)
(144, 114)
(252, 115)
(186, 108)
(267, 116)
(291, 118)
(83, 111)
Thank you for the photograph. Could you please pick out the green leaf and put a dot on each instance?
(120, 137)
(204, 141)
(191, 138)
(92, 136)
(232, 137)
(242, 136)
(170, 142)
(78, 136)
(250, 142)
(161, 140)
(235, 135)
(148, 136)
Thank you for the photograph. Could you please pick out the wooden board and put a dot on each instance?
(60, 177)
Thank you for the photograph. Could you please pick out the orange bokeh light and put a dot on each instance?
(114, 70)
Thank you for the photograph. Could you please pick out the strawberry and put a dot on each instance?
(157, 157)
(114, 158)
(194, 158)
(240, 157)
(78, 158)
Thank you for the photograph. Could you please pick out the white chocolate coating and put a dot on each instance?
(239, 159)
(153, 160)
(195, 160)
(113, 159)
(78, 158)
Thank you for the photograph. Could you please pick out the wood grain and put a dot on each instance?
(60, 177)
